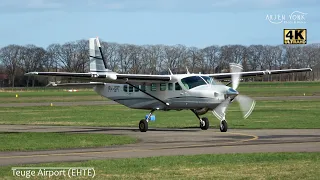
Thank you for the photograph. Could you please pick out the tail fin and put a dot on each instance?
(97, 61)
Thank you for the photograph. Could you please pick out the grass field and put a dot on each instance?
(256, 89)
(50, 96)
(267, 114)
(45, 141)
(225, 166)
(253, 89)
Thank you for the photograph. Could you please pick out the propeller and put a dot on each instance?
(235, 78)
(246, 103)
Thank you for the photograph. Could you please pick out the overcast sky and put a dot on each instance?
(196, 23)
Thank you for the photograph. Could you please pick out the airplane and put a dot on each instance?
(199, 93)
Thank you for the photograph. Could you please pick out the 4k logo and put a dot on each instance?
(295, 36)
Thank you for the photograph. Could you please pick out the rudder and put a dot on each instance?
(97, 61)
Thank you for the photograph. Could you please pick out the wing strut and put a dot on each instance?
(137, 87)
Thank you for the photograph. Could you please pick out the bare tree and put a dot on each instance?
(124, 53)
(110, 52)
(157, 59)
(136, 59)
(211, 57)
(50, 63)
(254, 56)
(175, 57)
(67, 56)
(10, 56)
(81, 56)
(196, 60)
(31, 59)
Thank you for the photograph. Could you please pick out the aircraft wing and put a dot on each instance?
(258, 73)
(109, 77)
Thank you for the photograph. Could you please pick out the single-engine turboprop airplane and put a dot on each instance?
(199, 93)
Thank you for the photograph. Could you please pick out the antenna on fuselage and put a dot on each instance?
(170, 71)
(187, 70)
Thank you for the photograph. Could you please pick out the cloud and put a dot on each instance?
(31, 4)
(43, 4)
(114, 6)
(18, 6)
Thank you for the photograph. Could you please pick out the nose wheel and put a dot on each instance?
(223, 126)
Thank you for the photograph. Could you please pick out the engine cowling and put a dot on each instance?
(202, 111)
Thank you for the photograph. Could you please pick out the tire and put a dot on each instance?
(206, 124)
(223, 126)
(143, 125)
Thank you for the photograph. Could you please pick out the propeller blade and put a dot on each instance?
(236, 69)
(221, 109)
(247, 105)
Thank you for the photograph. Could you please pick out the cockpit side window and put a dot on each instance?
(177, 86)
(192, 81)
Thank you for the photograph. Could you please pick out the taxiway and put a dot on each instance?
(164, 142)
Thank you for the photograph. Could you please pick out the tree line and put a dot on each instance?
(15, 60)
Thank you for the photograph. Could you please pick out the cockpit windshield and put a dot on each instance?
(209, 80)
(193, 81)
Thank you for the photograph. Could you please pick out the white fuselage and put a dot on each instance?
(174, 92)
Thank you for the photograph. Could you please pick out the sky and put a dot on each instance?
(196, 23)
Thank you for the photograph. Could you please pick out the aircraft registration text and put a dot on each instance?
(113, 88)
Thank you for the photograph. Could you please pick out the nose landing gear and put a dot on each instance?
(223, 126)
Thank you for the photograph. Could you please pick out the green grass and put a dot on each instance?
(267, 114)
(256, 89)
(40, 99)
(44, 141)
(47, 93)
(213, 166)
(49, 96)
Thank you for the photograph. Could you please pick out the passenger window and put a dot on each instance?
(163, 86)
(170, 86)
(153, 87)
(143, 87)
(130, 88)
(125, 88)
(136, 89)
(177, 87)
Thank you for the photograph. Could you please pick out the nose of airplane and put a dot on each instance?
(232, 93)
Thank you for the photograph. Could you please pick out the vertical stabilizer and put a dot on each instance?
(97, 61)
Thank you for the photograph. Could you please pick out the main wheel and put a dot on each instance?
(143, 125)
(223, 126)
(204, 125)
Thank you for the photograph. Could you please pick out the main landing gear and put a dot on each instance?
(143, 124)
(204, 122)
